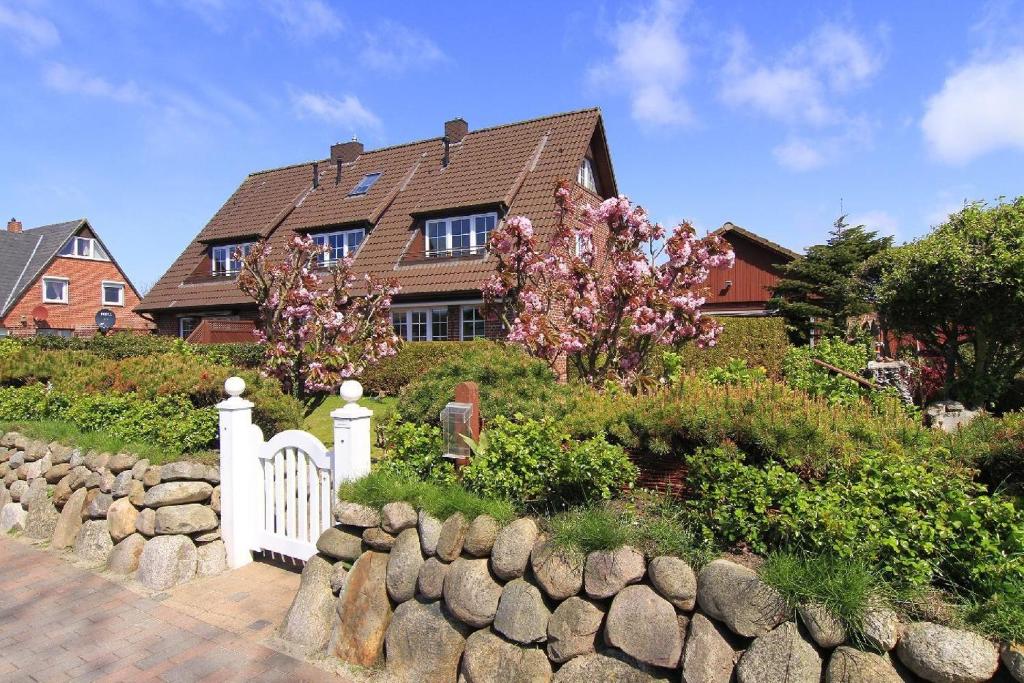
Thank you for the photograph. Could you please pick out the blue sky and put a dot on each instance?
(145, 116)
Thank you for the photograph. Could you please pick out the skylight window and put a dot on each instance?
(364, 185)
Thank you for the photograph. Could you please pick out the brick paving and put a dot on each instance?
(62, 623)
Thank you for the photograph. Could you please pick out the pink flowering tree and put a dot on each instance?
(317, 330)
(606, 290)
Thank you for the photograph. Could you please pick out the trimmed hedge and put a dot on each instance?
(124, 345)
(761, 342)
(392, 374)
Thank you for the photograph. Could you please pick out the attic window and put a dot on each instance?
(460, 235)
(84, 247)
(227, 259)
(364, 185)
(585, 177)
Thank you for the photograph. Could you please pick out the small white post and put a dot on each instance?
(236, 481)
(351, 456)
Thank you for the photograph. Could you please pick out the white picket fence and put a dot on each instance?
(278, 495)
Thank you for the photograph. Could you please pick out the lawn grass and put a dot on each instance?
(846, 587)
(67, 434)
(379, 488)
(319, 423)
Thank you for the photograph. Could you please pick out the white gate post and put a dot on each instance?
(350, 458)
(236, 481)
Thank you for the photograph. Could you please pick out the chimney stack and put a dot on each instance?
(455, 130)
(14, 225)
(346, 152)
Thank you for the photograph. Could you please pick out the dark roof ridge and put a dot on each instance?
(536, 119)
(753, 236)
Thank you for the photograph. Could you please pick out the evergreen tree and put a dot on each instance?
(821, 290)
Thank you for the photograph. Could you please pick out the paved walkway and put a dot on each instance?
(62, 623)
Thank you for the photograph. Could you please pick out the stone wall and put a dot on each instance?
(114, 511)
(475, 602)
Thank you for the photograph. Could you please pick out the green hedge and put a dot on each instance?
(170, 422)
(124, 345)
(761, 342)
(392, 374)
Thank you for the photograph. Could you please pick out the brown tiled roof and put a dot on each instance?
(514, 166)
(754, 237)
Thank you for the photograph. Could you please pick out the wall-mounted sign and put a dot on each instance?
(105, 319)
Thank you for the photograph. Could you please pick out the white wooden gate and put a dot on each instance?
(278, 495)
(295, 492)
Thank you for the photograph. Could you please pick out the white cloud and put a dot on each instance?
(799, 154)
(882, 222)
(347, 111)
(67, 79)
(394, 47)
(980, 109)
(306, 18)
(651, 63)
(799, 87)
(31, 31)
(808, 152)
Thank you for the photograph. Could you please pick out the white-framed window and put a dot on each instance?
(474, 326)
(186, 326)
(585, 176)
(339, 244)
(227, 258)
(420, 324)
(112, 293)
(584, 245)
(84, 247)
(55, 290)
(459, 235)
(364, 185)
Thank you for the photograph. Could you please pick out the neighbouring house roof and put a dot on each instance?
(728, 227)
(511, 168)
(25, 255)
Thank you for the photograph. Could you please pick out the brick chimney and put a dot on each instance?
(14, 225)
(455, 130)
(346, 152)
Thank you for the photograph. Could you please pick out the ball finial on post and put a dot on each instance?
(234, 386)
(351, 391)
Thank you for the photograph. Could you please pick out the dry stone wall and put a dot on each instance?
(474, 602)
(115, 511)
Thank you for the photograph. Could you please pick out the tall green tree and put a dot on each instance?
(821, 290)
(960, 292)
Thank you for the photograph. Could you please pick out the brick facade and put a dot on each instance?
(85, 278)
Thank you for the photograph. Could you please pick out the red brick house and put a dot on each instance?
(55, 278)
(419, 213)
(744, 290)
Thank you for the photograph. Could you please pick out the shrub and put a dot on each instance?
(381, 487)
(845, 587)
(734, 373)
(996, 447)
(170, 422)
(123, 345)
(416, 452)
(802, 373)
(535, 462)
(510, 382)
(761, 342)
(392, 374)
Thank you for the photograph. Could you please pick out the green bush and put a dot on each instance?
(802, 373)
(995, 446)
(416, 452)
(440, 500)
(918, 519)
(510, 382)
(170, 421)
(734, 373)
(392, 374)
(123, 345)
(535, 462)
(761, 342)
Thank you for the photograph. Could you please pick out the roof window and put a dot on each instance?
(364, 185)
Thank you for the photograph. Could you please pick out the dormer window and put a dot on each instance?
(585, 176)
(339, 245)
(84, 247)
(364, 185)
(459, 235)
(226, 259)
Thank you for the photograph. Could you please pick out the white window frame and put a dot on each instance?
(103, 292)
(473, 249)
(95, 250)
(229, 261)
(370, 179)
(181, 325)
(407, 314)
(585, 176)
(462, 322)
(327, 258)
(67, 289)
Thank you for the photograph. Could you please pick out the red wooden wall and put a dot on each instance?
(751, 277)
